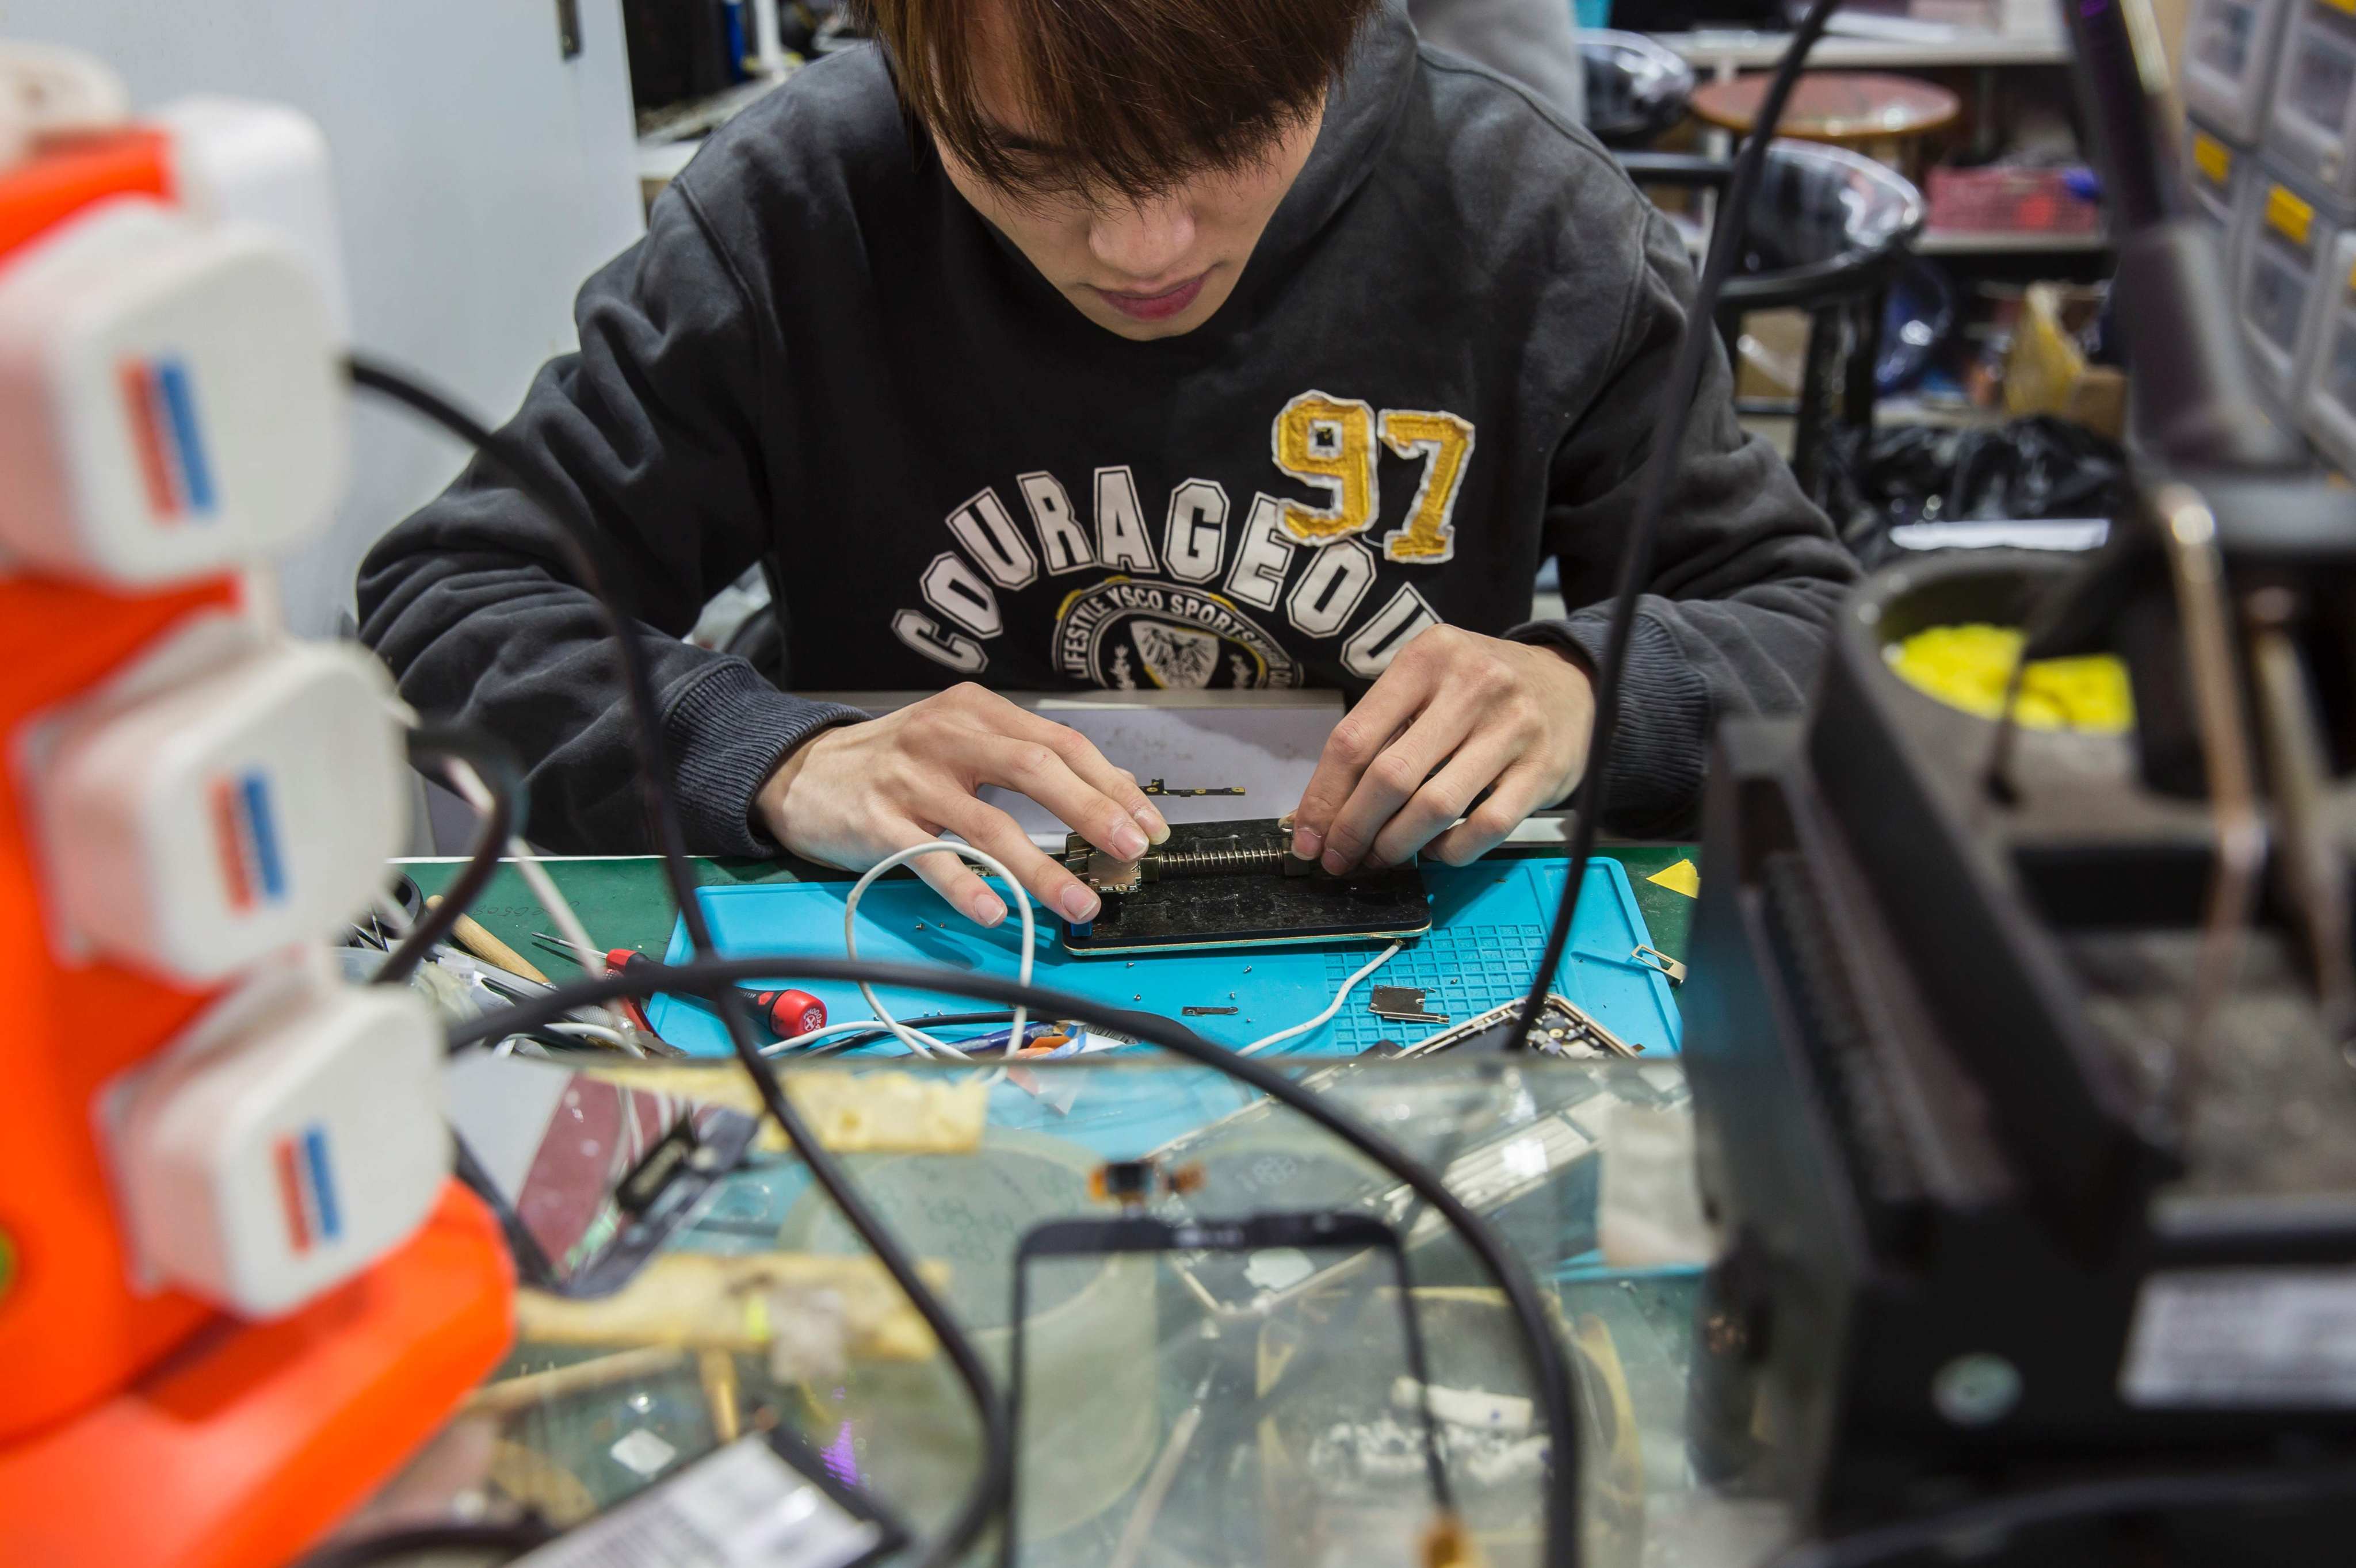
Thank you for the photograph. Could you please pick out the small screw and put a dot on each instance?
(1138, 998)
(920, 925)
(1977, 1390)
(1247, 968)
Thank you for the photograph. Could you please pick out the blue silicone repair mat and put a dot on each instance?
(1489, 919)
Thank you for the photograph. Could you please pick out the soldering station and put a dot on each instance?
(1949, 1158)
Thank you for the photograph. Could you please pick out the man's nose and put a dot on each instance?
(1142, 242)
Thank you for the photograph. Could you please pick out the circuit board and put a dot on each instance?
(1232, 884)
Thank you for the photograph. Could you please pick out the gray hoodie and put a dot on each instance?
(1533, 42)
(1442, 365)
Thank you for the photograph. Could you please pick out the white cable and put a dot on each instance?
(586, 952)
(917, 1040)
(395, 918)
(856, 1026)
(1385, 957)
(591, 959)
(598, 1032)
(526, 860)
(866, 1026)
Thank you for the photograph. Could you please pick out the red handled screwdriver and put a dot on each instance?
(790, 1013)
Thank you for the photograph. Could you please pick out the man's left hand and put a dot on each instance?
(1456, 714)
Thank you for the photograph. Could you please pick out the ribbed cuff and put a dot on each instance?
(728, 730)
(1653, 786)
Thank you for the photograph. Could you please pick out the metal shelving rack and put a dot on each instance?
(1722, 53)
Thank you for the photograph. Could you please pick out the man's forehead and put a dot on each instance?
(1113, 96)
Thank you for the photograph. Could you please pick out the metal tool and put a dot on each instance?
(790, 1013)
(1155, 786)
(1208, 1012)
(471, 935)
(1111, 874)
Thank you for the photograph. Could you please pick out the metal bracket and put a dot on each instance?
(1111, 874)
(1402, 1003)
(1654, 959)
(1106, 873)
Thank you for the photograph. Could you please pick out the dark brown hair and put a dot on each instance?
(1130, 96)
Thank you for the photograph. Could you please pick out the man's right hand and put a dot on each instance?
(855, 794)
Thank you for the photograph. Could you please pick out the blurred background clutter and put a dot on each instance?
(1919, 324)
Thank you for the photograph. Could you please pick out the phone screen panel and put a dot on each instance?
(1285, 1426)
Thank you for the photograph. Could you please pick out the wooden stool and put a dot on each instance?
(1884, 117)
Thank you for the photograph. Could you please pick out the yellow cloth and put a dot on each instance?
(1967, 666)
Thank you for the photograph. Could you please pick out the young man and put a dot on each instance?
(1114, 343)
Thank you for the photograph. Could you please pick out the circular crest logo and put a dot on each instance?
(1124, 635)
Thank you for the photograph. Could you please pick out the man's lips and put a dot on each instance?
(1155, 307)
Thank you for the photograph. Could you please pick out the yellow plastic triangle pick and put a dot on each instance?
(1681, 877)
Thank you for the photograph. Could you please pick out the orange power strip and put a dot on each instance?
(139, 1427)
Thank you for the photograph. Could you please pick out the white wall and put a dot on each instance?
(480, 176)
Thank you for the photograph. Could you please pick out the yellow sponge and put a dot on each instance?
(1967, 666)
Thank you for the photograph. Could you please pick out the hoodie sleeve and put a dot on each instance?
(652, 429)
(1746, 570)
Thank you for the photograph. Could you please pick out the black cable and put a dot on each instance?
(501, 775)
(1549, 1368)
(515, 1539)
(1660, 473)
(1419, 1364)
(577, 540)
(2110, 1497)
(534, 1265)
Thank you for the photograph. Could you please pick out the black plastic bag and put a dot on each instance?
(2035, 467)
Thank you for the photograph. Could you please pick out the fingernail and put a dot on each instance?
(1078, 903)
(1306, 842)
(1333, 862)
(1156, 828)
(1128, 842)
(986, 909)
